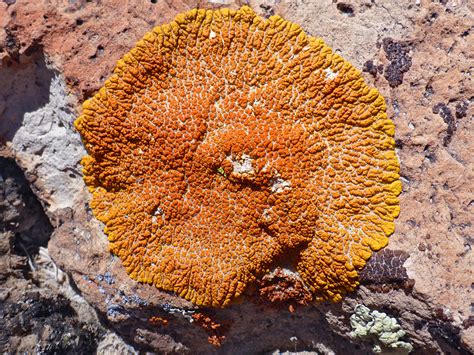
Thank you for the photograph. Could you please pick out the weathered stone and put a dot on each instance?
(54, 56)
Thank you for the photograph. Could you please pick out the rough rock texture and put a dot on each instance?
(417, 53)
(35, 313)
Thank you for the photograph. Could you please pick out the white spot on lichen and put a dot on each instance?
(330, 75)
(158, 212)
(242, 165)
(265, 215)
(212, 35)
(279, 185)
(265, 168)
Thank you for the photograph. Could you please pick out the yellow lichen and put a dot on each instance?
(222, 141)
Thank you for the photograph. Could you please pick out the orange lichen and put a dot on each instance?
(158, 321)
(222, 141)
(212, 328)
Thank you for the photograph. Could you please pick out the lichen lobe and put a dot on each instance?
(224, 140)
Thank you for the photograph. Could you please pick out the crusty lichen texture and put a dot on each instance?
(224, 141)
(378, 327)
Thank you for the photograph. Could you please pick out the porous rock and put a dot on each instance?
(55, 56)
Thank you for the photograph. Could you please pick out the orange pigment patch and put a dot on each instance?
(212, 328)
(224, 140)
(158, 321)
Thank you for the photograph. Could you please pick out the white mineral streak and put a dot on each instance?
(187, 314)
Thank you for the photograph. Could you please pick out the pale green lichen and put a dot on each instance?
(378, 327)
(221, 171)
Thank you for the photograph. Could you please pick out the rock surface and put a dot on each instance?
(417, 53)
(36, 312)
